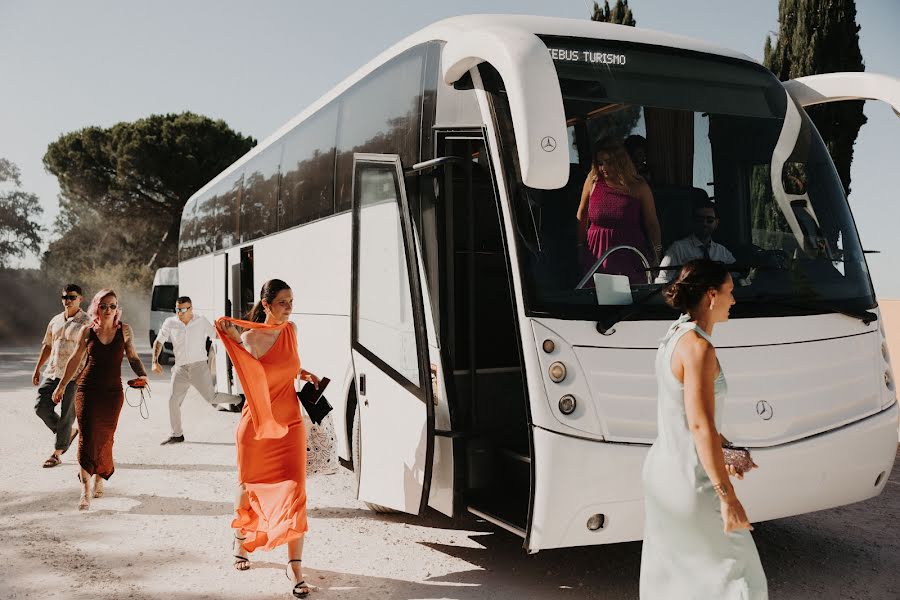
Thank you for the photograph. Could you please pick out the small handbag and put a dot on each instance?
(739, 458)
(321, 448)
(314, 403)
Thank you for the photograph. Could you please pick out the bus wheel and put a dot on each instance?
(356, 456)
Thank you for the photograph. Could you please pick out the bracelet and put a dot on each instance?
(720, 490)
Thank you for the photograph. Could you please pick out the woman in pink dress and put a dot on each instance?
(617, 209)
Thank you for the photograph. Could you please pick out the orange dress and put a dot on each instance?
(271, 440)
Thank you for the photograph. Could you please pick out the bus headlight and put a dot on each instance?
(557, 372)
(596, 522)
(567, 404)
(888, 380)
(549, 346)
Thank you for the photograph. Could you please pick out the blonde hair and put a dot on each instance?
(619, 167)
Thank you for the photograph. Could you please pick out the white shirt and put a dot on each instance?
(188, 341)
(687, 249)
(62, 337)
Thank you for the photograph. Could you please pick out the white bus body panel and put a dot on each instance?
(577, 478)
(321, 300)
(809, 384)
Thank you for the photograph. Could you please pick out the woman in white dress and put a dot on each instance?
(697, 542)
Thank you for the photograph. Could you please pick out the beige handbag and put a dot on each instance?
(321, 447)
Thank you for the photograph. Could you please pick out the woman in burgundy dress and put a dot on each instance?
(99, 397)
(617, 209)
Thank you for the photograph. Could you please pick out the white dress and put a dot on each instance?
(686, 554)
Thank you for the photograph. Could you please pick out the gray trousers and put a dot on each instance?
(60, 424)
(193, 374)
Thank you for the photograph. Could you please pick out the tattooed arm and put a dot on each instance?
(133, 359)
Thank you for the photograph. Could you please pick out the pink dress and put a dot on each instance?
(614, 219)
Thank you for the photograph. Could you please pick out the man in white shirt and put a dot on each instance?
(188, 333)
(697, 245)
(59, 344)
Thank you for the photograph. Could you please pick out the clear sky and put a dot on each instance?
(68, 65)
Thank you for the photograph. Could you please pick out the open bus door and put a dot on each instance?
(389, 345)
(221, 305)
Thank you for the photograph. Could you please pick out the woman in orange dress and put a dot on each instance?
(270, 508)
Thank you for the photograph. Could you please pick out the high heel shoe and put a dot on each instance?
(241, 563)
(300, 590)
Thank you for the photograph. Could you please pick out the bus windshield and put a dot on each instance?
(736, 171)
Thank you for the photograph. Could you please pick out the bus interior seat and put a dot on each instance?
(674, 210)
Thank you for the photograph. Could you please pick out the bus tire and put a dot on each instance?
(356, 457)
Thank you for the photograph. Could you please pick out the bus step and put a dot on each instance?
(514, 529)
(517, 456)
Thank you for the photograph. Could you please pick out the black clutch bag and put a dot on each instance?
(314, 403)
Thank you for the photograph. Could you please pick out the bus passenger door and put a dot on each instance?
(389, 346)
(220, 307)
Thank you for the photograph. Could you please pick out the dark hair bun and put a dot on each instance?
(695, 279)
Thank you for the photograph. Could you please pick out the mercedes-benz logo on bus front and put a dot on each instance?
(764, 410)
(548, 144)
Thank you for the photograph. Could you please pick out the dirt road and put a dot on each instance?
(161, 531)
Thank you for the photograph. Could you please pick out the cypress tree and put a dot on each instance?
(620, 13)
(821, 36)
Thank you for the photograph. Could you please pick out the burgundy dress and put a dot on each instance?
(614, 219)
(98, 402)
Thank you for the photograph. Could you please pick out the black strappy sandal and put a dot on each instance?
(301, 590)
(241, 563)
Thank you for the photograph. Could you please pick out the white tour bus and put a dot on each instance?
(423, 212)
(162, 306)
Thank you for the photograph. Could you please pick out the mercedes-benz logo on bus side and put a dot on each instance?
(764, 410)
(548, 144)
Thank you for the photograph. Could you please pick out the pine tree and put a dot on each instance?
(620, 13)
(821, 36)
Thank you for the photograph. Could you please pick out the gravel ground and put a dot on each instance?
(161, 530)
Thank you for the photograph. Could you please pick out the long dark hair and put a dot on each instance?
(697, 277)
(268, 292)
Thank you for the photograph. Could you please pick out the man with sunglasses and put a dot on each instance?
(697, 245)
(188, 333)
(59, 344)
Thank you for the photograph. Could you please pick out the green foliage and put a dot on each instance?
(123, 188)
(817, 36)
(19, 232)
(620, 13)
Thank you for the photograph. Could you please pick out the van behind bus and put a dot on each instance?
(162, 306)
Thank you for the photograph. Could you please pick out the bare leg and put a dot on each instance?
(98, 486)
(84, 502)
(295, 568)
(241, 556)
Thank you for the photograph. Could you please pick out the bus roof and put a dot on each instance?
(447, 30)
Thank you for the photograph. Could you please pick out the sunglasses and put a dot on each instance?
(108, 306)
(707, 220)
(184, 309)
(69, 297)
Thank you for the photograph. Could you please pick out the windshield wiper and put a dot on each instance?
(801, 302)
(605, 324)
